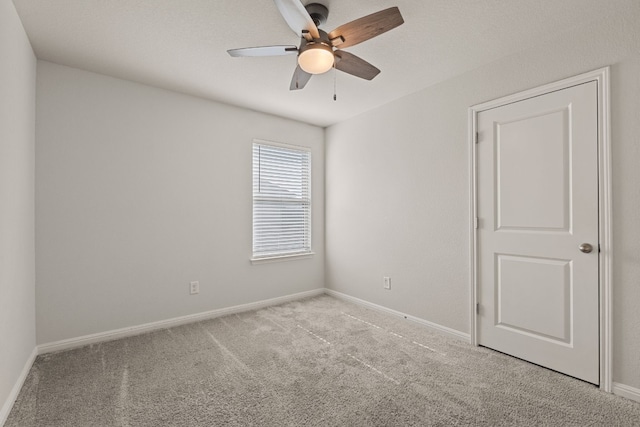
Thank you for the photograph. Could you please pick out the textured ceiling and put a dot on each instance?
(181, 45)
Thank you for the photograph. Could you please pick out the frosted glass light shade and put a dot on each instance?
(316, 59)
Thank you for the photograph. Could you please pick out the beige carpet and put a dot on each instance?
(316, 362)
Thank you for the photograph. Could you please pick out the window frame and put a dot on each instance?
(275, 256)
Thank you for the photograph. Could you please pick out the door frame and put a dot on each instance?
(601, 76)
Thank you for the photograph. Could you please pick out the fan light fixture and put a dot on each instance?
(320, 51)
(316, 58)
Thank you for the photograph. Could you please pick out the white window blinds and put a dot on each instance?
(281, 200)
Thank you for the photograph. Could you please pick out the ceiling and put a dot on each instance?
(181, 45)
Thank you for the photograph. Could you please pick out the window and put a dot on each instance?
(281, 200)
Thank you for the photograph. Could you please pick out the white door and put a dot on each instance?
(537, 188)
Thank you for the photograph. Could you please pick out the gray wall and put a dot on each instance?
(398, 194)
(17, 281)
(140, 191)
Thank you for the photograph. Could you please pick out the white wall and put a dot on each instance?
(140, 191)
(398, 196)
(17, 124)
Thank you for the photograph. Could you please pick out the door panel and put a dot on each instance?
(537, 188)
(521, 147)
(533, 297)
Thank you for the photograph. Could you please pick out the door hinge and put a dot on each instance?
(475, 223)
(599, 250)
(476, 137)
(477, 308)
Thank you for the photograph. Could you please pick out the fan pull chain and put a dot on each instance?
(335, 72)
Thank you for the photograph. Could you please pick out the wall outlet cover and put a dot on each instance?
(194, 288)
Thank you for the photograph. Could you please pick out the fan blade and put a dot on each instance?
(263, 51)
(366, 27)
(356, 66)
(299, 79)
(297, 17)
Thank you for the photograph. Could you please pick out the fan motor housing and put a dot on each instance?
(318, 12)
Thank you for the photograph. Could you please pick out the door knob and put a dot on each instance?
(585, 247)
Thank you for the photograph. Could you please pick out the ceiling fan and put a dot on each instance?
(320, 51)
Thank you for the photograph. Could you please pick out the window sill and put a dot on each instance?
(279, 258)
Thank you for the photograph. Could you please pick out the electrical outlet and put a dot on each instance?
(386, 282)
(194, 288)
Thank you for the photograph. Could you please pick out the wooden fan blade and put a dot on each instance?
(299, 79)
(297, 17)
(354, 65)
(366, 27)
(263, 51)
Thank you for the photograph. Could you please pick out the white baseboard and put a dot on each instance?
(442, 329)
(163, 324)
(623, 390)
(8, 404)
